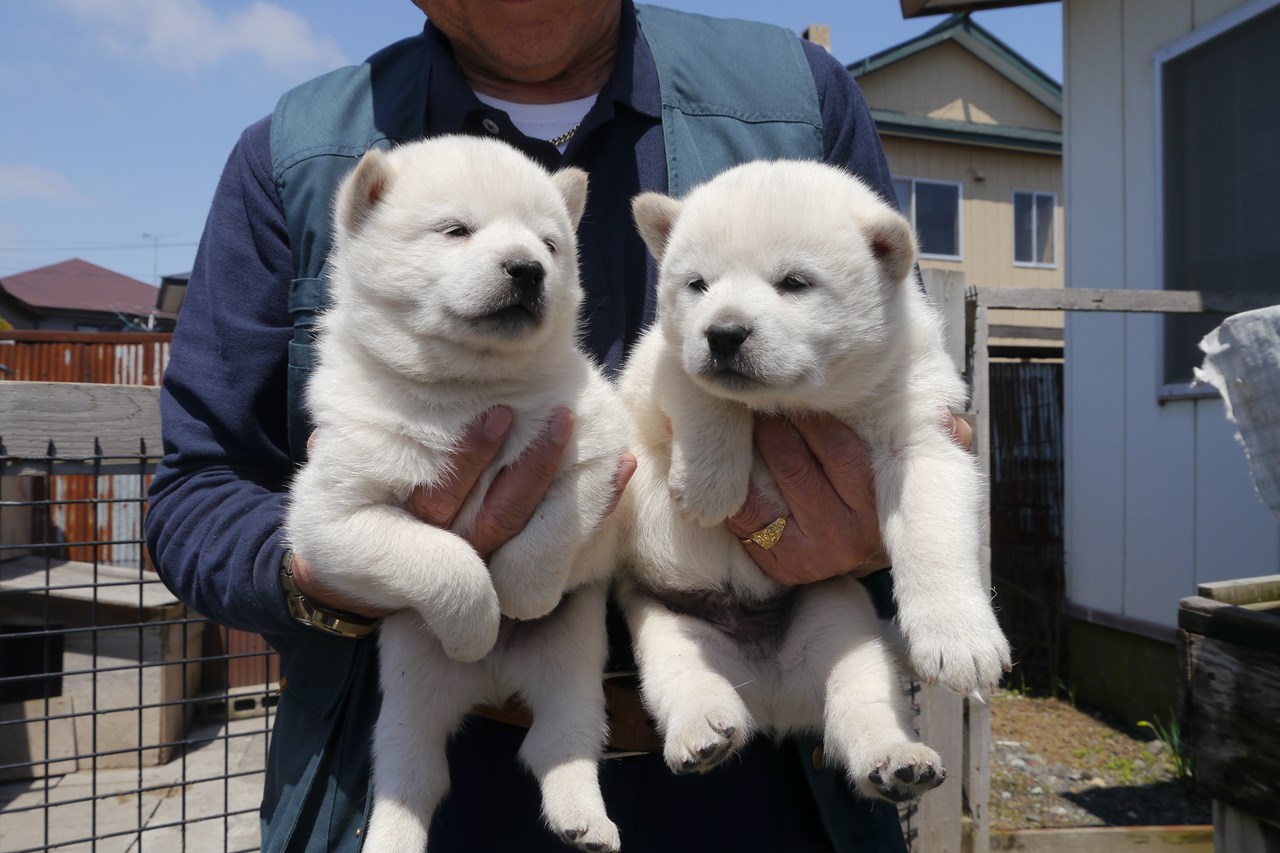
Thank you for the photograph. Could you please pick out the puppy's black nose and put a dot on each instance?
(525, 274)
(726, 339)
(526, 278)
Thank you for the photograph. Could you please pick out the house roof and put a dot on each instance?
(967, 33)
(988, 135)
(917, 8)
(77, 285)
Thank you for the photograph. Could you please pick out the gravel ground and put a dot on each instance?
(1053, 765)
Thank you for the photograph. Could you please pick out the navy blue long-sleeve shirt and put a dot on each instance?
(217, 499)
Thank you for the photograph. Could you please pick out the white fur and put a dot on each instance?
(862, 343)
(410, 353)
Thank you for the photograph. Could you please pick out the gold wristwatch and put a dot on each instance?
(306, 611)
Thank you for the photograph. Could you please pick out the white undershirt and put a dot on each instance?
(542, 121)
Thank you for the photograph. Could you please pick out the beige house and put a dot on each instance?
(973, 133)
(1172, 175)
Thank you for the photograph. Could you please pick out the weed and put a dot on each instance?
(1171, 736)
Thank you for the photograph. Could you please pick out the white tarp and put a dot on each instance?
(1242, 360)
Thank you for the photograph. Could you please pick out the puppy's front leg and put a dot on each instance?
(531, 570)
(711, 451)
(927, 496)
(383, 555)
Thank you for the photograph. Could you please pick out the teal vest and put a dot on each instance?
(731, 92)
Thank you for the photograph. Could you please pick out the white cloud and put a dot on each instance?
(190, 35)
(36, 183)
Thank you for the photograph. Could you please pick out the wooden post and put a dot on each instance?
(937, 819)
(978, 717)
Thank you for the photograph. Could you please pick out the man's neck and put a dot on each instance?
(582, 78)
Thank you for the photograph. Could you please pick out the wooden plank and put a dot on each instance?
(977, 770)
(1245, 626)
(937, 819)
(938, 814)
(72, 415)
(1232, 715)
(1106, 839)
(1158, 301)
(1242, 590)
(946, 289)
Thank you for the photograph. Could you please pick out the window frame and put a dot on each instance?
(1220, 26)
(911, 215)
(1053, 229)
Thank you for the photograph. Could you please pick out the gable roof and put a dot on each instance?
(967, 33)
(77, 285)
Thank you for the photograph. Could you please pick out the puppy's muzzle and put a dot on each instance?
(527, 279)
(724, 340)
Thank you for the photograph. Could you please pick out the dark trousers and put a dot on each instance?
(760, 800)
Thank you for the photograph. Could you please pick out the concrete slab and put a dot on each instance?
(204, 801)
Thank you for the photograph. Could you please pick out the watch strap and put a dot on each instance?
(328, 620)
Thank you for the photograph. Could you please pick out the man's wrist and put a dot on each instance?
(306, 611)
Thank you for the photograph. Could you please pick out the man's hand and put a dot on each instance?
(824, 473)
(509, 504)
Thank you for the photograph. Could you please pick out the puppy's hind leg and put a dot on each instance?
(556, 664)
(836, 651)
(424, 697)
(689, 674)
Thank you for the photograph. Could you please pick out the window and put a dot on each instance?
(1033, 229)
(1218, 106)
(933, 209)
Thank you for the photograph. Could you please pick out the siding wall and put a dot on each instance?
(1158, 497)
(946, 81)
(987, 212)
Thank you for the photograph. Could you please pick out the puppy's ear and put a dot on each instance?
(655, 215)
(572, 183)
(892, 242)
(363, 189)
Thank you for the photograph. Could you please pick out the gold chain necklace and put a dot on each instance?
(557, 141)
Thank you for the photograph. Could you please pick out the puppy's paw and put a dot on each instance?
(587, 832)
(467, 623)
(900, 773)
(526, 589)
(956, 646)
(699, 743)
(705, 494)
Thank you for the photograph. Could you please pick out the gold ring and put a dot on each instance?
(767, 537)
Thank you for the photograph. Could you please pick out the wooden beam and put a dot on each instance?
(1106, 839)
(1102, 299)
(42, 422)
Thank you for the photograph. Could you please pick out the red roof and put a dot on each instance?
(77, 285)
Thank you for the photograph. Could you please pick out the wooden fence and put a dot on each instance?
(95, 509)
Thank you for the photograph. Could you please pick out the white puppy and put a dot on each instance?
(787, 287)
(455, 289)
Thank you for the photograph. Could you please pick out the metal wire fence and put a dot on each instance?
(127, 721)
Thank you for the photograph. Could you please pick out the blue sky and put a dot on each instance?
(116, 116)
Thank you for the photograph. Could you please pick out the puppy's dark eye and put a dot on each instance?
(793, 283)
(455, 229)
(697, 284)
(551, 245)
